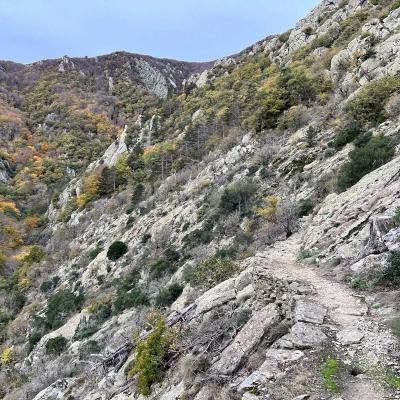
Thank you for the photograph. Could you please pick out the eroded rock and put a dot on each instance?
(308, 311)
(304, 336)
(249, 336)
(350, 336)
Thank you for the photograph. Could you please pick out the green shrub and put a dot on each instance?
(16, 300)
(116, 250)
(172, 255)
(46, 286)
(391, 275)
(130, 281)
(237, 196)
(95, 252)
(395, 5)
(56, 345)
(351, 26)
(211, 272)
(36, 255)
(346, 135)
(359, 284)
(151, 355)
(241, 241)
(60, 306)
(137, 194)
(293, 118)
(4, 316)
(128, 294)
(168, 295)
(364, 159)
(161, 268)
(393, 380)
(329, 153)
(304, 254)
(201, 236)
(70, 207)
(33, 340)
(368, 106)
(305, 207)
(308, 31)
(325, 40)
(145, 238)
(329, 371)
(311, 134)
(284, 37)
(125, 300)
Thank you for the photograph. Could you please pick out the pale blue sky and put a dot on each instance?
(193, 30)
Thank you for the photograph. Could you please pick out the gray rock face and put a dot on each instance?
(252, 381)
(249, 336)
(154, 81)
(341, 223)
(308, 311)
(57, 390)
(392, 239)
(276, 361)
(304, 336)
(112, 154)
(216, 296)
(174, 393)
(5, 170)
(368, 267)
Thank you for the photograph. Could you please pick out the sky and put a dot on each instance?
(192, 30)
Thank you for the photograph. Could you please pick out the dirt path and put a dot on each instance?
(346, 310)
(344, 306)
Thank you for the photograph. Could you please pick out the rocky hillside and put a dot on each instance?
(227, 230)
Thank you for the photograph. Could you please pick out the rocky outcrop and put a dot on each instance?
(256, 328)
(341, 226)
(5, 170)
(350, 336)
(153, 80)
(275, 364)
(304, 336)
(57, 390)
(307, 311)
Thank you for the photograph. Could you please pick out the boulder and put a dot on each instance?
(252, 381)
(215, 297)
(350, 336)
(276, 362)
(57, 390)
(306, 336)
(308, 311)
(250, 335)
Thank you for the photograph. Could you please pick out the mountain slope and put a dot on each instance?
(238, 238)
(158, 76)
